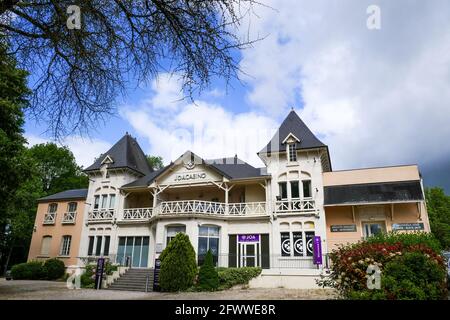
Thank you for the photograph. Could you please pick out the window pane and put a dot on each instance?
(112, 199)
(96, 201)
(295, 192)
(307, 189)
(91, 245)
(309, 235)
(129, 248)
(72, 207)
(104, 201)
(292, 152)
(65, 246)
(213, 231)
(202, 249)
(172, 231)
(285, 244)
(297, 237)
(121, 251)
(106, 247)
(203, 231)
(98, 248)
(52, 207)
(137, 251)
(144, 255)
(283, 190)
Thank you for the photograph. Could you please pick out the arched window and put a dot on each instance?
(173, 230)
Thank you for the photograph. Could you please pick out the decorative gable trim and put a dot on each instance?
(290, 137)
(107, 160)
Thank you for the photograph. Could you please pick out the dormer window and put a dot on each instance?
(292, 152)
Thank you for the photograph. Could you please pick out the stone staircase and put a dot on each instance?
(134, 280)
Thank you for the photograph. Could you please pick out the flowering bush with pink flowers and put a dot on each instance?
(415, 253)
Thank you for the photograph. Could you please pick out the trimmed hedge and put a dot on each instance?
(33, 270)
(208, 278)
(87, 279)
(229, 277)
(178, 264)
(410, 263)
(54, 269)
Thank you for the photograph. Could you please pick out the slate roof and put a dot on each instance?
(126, 153)
(373, 193)
(66, 195)
(293, 124)
(232, 168)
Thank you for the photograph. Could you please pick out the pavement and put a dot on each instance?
(56, 290)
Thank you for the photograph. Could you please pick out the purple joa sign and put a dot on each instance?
(317, 250)
(248, 238)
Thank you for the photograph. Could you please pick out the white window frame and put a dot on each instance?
(292, 154)
(66, 242)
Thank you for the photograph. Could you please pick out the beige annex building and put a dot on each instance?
(284, 217)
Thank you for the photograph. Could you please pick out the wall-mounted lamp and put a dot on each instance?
(317, 190)
(34, 228)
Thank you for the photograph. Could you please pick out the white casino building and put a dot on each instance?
(246, 216)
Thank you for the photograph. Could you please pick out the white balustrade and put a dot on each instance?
(247, 208)
(293, 206)
(101, 215)
(137, 213)
(69, 217)
(50, 218)
(191, 206)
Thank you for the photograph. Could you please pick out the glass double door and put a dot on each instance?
(249, 254)
(133, 251)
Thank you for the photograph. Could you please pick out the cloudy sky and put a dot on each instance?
(377, 97)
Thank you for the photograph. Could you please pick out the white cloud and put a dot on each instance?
(376, 97)
(85, 150)
(204, 128)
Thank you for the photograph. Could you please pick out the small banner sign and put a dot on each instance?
(99, 273)
(343, 228)
(317, 245)
(156, 286)
(248, 238)
(408, 226)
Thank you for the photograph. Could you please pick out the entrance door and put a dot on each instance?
(249, 254)
(373, 228)
(134, 251)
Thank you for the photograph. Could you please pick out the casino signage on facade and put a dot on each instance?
(190, 176)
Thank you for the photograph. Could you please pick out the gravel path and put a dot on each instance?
(52, 290)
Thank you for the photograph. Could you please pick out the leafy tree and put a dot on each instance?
(57, 168)
(81, 71)
(208, 278)
(13, 99)
(156, 162)
(438, 207)
(178, 264)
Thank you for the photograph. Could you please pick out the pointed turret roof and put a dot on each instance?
(126, 153)
(293, 126)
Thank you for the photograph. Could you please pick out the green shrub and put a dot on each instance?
(407, 239)
(178, 264)
(110, 268)
(229, 277)
(414, 276)
(208, 278)
(408, 264)
(32, 270)
(54, 269)
(87, 279)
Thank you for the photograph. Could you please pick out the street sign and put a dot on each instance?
(156, 286)
(99, 273)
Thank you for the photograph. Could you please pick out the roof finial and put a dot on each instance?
(292, 108)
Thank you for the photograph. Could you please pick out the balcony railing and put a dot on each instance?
(101, 215)
(69, 217)
(137, 213)
(247, 208)
(191, 206)
(50, 218)
(307, 206)
(196, 206)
